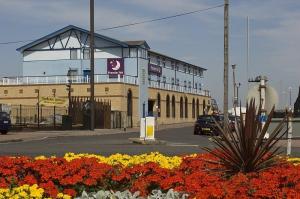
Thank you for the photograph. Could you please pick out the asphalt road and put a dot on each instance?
(179, 141)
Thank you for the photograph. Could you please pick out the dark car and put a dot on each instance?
(206, 125)
(5, 122)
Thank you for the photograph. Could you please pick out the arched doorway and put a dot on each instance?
(186, 108)
(193, 108)
(158, 105)
(129, 108)
(181, 107)
(168, 106)
(173, 107)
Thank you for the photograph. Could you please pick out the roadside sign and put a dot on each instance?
(53, 101)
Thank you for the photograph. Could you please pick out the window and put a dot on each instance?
(184, 85)
(73, 54)
(158, 105)
(86, 54)
(177, 82)
(164, 79)
(186, 108)
(189, 70)
(5, 92)
(168, 106)
(184, 69)
(132, 52)
(181, 107)
(197, 108)
(200, 86)
(21, 91)
(190, 85)
(176, 67)
(196, 85)
(195, 72)
(173, 107)
(158, 60)
(193, 108)
(164, 62)
(173, 81)
(172, 65)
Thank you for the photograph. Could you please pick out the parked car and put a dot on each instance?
(205, 125)
(5, 122)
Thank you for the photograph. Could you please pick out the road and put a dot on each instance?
(179, 141)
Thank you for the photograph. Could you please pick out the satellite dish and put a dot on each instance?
(271, 96)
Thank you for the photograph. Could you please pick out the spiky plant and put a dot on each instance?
(247, 149)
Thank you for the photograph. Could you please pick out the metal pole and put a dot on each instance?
(290, 133)
(38, 115)
(290, 92)
(247, 65)
(92, 83)
(54, 109)
(226, 27)
(234, 86)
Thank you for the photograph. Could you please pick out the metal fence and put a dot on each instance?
(37, 116)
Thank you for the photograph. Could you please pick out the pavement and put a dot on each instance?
(41, 135)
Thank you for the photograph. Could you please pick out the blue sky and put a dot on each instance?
(197, 38)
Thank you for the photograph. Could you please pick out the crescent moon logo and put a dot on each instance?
(118, 66)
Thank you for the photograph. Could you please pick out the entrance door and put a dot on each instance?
(151, 107)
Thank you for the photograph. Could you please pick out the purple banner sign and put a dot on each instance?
(115, 66)
(154, 69)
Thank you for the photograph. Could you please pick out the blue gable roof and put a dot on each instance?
(66, 29)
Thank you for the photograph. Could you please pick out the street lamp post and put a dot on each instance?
(235, 102)
(290, 97)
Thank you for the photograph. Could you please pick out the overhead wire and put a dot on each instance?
(131, 24)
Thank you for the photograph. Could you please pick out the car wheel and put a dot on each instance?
(3, 132)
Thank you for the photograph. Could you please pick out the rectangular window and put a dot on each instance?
(189, 70)
(73, 54)
(173, 81)
(184, 69)
(21, 91)
(164, 79)
(5, 92)
(164, 62)
(132, 52)
(158, 60)
(177, 82)
(172, 65)
(86, 54)
(196, 85)
(185, 84)
(190, 85)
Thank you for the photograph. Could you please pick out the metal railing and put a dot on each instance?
(63, 79)
(173, 87)
(99, 78)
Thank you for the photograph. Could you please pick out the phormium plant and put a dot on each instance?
(246, 149)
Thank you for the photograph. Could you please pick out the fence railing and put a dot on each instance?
(99, 78)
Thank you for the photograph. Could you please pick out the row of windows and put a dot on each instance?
(184, 108)
(186, 84)
(174, 66)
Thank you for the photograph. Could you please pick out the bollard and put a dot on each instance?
(290, 134)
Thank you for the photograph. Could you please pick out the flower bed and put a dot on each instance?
(74, 173)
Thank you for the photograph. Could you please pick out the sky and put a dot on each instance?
(274, 29)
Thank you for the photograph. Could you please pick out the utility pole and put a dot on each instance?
(226, 27)
(92, 83)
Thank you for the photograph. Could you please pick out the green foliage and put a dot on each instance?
(246, 149)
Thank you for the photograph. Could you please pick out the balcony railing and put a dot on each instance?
(172, 87)
(61, 79)
(99, 78)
